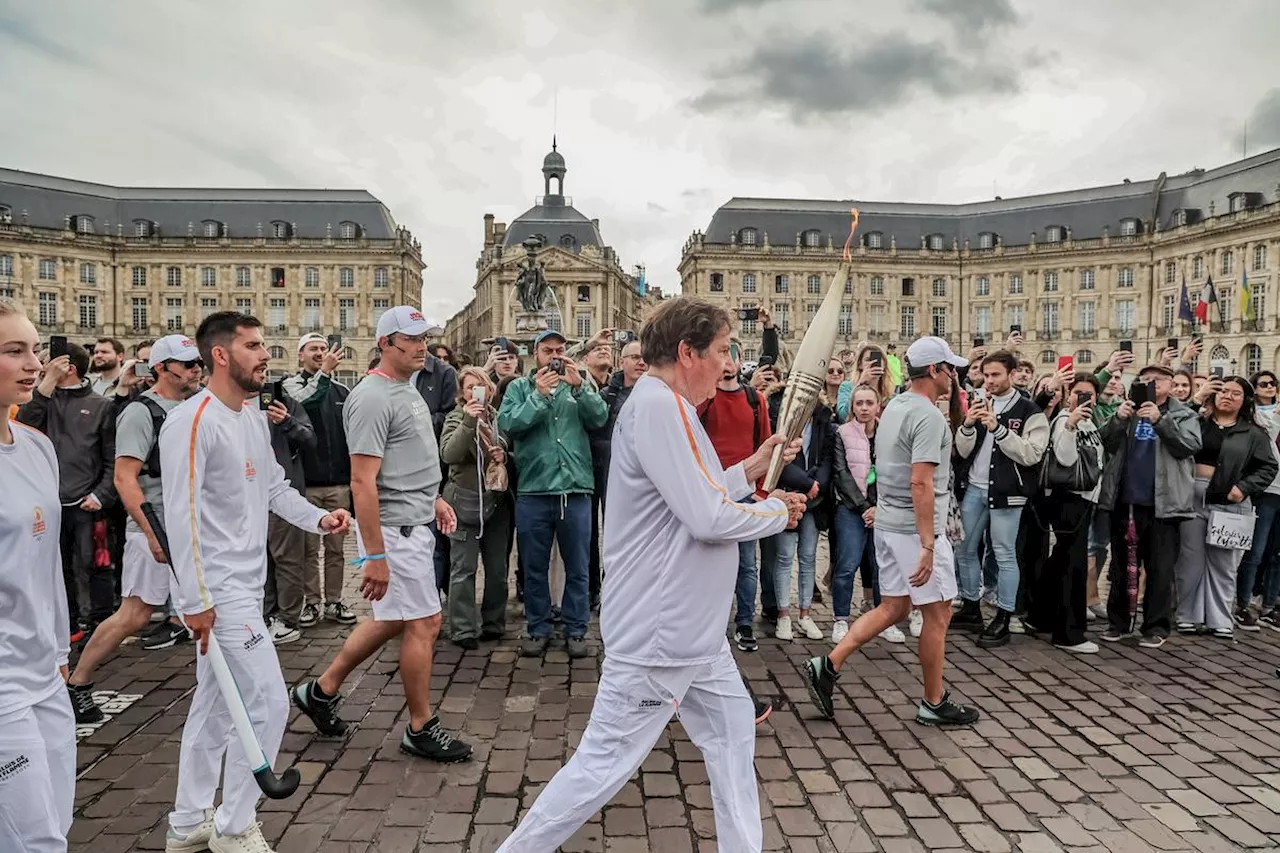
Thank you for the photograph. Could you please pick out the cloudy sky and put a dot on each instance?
(666, 108)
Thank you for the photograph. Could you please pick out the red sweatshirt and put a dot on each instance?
(727, 419)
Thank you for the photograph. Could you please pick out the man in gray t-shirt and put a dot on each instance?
(135, 439)
(388, 418)
(914, 559)
(911, 430)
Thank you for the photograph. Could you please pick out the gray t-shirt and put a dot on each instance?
(135, 436)
(389, 419)
(911, 430)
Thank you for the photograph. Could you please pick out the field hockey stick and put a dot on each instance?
(275, 787)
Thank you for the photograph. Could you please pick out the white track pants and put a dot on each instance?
(37, 776)
(632, 708)
(208, 736)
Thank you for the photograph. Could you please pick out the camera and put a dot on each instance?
(625, 336)
(557, 365)
(748, 313)
(141, 370)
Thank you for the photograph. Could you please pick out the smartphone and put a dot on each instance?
(335, 342)
(979, 342)
(765, 361)
(977, 395)
(748, 313)
(625, 336)
(1015, 329)
(1139, 393)
(1067, 361)
(265, 399)
(57, 346)
(1172, 343)
(557, 365)
(1218, 372)
(142, 370)
(1126, 346)
(477, 393)
(877, 357)
(501, 343)
(1084, 398)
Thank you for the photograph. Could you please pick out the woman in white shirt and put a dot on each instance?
(37, 728)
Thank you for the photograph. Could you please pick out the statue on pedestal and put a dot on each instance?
(532, 289)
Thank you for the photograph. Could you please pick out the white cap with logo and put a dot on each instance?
(931, 350)
(173, 348)
(403, 319)
(312, 337)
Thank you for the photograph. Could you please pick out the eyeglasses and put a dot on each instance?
(187, 365)
(633, 357)
(1233, 393)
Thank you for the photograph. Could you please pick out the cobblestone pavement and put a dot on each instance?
(1126, 751)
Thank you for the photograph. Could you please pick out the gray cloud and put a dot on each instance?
(808, 76)
(718, 6)
(973, 18)
(1264, 122)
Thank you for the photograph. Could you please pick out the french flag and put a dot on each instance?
(1207, 296)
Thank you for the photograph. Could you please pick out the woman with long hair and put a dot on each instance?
(831, 391)
(869, 368)
(1234, 464)
(1182, 382)
(479, 494)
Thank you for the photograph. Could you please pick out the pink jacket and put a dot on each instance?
(857, 451)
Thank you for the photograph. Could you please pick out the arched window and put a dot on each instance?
(875, 240)
(747, 236)
(1084, 356)
(277, 351)
(1220, 356)
(280, 230)
(1252, 359)
(349, 354)
(212, 228)
(1048, 357)
(349, 230)
(812, 238)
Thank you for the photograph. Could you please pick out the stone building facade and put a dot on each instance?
(591, 289)
(88, 260)
(1079, 270)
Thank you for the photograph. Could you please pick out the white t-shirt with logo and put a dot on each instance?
(221, 479)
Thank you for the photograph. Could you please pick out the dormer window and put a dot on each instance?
(935, 242)
(567, 241)
(986, 240)
(212, 228)
(1053, 234)
(1236, 202)
(350, 231)
(82, 224)
(143, 227)
(280, 230)
(875, 240)
(812, 239)
(6, 215)
(1128, 227)
(747, 236)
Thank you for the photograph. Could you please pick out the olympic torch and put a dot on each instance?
(809, 367)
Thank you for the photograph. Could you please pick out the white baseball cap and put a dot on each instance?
(173, 348)
(404, 319)
(931, 350)
(312, 337)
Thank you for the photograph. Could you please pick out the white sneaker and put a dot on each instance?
(282, 633)
(1016, 626)
(1090, 615)
(249, 841)
(1088, 647)
(809, 628)
(195, 841)
(838, 629)
(783, 629)
(893, 634)
(917, 623)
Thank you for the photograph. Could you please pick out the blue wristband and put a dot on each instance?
(360, 561)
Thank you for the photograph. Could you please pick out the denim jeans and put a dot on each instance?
(1266, 532)
(745, 590)
(804, 539)
(1002, 525)
(567, 520)
(854, 547)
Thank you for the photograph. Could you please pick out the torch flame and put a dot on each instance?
(853, 226)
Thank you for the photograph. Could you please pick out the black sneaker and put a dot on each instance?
(1271, 619)
(745, 638)
(435, 743)
(1152, 640)
(820, 679)
(321, 710)
(309, 616)
(996, 633)
(968, 616)
(468, 643)
(946, 713)
(1246, 621)
(576, 647)
(165, 635)
(534, 647)
(763, 709)
(491, 636)
(86, 710)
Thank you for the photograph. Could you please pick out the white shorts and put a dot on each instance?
(141, 576)
(412, 593)
(896, 558)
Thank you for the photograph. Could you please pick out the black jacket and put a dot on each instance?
(292, 439)
(1247, 461)
(1020, 439)
(614, 394)
(329, 464)
(814, 467)
(437, 382)
(82, 427)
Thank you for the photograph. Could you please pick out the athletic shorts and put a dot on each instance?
(141, 576)
(896, 558)
(412, 593)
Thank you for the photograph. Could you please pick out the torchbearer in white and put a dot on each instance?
(808, 373)
(220, 479)
(670, 537)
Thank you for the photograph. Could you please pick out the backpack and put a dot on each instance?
(151, 467)
(753, 400)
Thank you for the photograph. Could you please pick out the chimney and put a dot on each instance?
(488, 230)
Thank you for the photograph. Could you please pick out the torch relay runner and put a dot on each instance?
(220, 479)
(670, 547)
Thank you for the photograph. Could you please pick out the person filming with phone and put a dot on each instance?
(1148, 489)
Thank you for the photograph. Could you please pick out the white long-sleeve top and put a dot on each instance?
(220, 480)
(671, 531)
(34, 627)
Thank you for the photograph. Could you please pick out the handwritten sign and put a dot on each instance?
(1230, 531)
